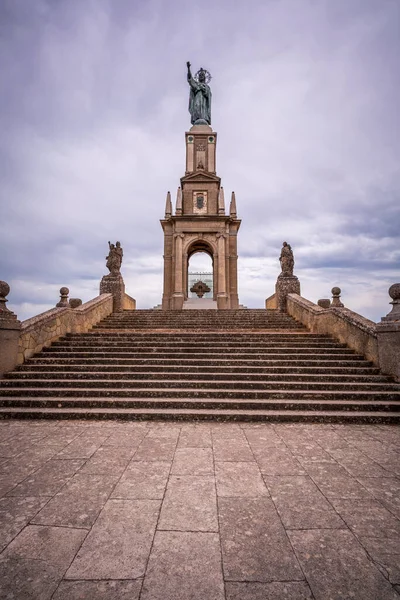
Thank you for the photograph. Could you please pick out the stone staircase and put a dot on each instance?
(227, 365)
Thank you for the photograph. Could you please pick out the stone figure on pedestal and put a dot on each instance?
(114, 258)
(200, 96)
(114, 283)
(287, 283)
(287, 260)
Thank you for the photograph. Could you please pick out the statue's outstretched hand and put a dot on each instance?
(188, 64)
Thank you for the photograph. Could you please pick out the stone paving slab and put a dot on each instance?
(184, 565)
(119, 543)
(190, 504)
(224, 511)
(336, 566)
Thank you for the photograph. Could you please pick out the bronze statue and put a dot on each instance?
(287, 260)
(114, 258)
(200, 96)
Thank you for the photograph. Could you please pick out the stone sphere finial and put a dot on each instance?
(336, 302)
(64, 291)
(5, 313)
(394, 291)
(4, 289)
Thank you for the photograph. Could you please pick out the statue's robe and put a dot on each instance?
(199, 101)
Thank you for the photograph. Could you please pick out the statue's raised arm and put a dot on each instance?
(200, 96)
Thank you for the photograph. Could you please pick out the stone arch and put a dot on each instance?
(193, 246)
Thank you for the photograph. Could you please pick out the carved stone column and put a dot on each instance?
(10, 329)
(222, 296)
(178, 296)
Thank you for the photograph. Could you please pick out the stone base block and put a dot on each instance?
(222, 301)
(9, 338)
(114, 284)
(389, 348)
(283, 287)
(177, 301)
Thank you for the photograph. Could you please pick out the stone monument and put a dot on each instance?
(114, 283)
(200, 223)
(287, 283)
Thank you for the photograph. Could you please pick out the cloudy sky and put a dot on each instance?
(93, 110)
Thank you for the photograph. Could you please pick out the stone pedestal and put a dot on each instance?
(114, 284)
(10, 329)
(286, 285)
(177, 301)
(388, 332)
(222, 301)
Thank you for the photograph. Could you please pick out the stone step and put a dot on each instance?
(321, 354)
(314, 416)
(228, 369)
(292, 394)
(190, 376)
(189, 344)
(197, 383)
(325, 361)
(211, 403)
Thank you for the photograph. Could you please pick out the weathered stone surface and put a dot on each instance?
(36, 560)
(189, 504)
(193, 461)
(297, 590)
(368, 518)
(276, 461)
(336, 566)
(143, 480)
(155, 449)
(119, 543)
(300, 504)
(385, 489)
(98, 590)
(109, 460)
(340, 486)
(358, 464)
(47, 480)
(78, 503)
(254, 544)
(235, 449)
(386, 555)
(197, 436)
(15, 513)
(184, 565)
(240, 479)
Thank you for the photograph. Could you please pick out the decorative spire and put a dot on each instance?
(178, 210)
(168, 206)
(232, 209)
(221, 201)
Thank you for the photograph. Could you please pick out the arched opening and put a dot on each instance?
(200, 268)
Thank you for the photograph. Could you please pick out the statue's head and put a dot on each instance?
(285, 243)
(118, 244)
(202, 75)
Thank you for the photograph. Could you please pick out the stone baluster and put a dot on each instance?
(64, 292)
(336, 302)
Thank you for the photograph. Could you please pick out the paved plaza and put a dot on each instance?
(207, 511)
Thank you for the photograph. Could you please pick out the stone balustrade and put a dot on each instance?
(345, 325)
(40, 331)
